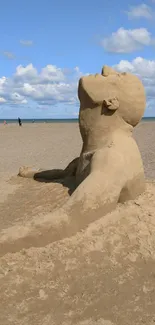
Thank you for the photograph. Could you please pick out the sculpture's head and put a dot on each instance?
(112, 93)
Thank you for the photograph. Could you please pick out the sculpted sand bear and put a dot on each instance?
(109, 169)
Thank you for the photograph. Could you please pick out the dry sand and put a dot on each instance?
(104, 275)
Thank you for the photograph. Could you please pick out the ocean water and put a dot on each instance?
(44, 120)
(144, 119)
(147, 119)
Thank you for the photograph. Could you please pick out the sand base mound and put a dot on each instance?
(104, 275)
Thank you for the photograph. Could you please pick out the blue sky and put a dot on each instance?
(46, 46)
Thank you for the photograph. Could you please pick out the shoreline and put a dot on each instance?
(57, 121)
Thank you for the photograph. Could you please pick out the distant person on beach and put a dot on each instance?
(19, 121)
(5, 123)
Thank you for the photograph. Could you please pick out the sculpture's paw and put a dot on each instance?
(27, 171)
(21, 171)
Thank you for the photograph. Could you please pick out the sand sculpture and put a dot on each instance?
(109, 169)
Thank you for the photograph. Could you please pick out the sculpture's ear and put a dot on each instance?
(112, 103)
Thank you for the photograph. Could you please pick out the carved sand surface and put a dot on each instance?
(80, 248)
(103, 275)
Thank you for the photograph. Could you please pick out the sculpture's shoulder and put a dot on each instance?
(125, 144)
(121, 152)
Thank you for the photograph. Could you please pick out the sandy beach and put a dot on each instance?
(103, 275)
(43, 145)
(55, 145)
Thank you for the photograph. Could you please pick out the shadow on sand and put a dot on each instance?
(56, 176)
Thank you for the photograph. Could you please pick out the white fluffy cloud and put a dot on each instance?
(2, 100)
(140, 11)
(8, 55)
(127, 40)
(26, 42)
(140, 66)
(50, 85)
(57, 87)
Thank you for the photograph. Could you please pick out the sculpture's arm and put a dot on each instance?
(99, 193)
(29, 172)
